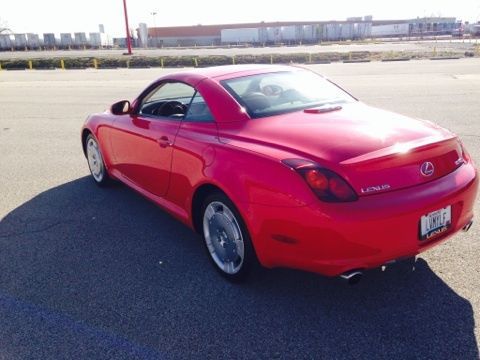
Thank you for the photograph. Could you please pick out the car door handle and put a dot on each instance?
(164, 142)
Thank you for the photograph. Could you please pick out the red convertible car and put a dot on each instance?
(278, 165)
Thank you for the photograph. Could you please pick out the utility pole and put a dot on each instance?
(127, 28)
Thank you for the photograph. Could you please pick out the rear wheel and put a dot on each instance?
(226, 238)
(95, 162)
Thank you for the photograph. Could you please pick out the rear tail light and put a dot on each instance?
(316, 179)
(326, 184)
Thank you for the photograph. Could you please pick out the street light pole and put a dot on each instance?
(153, 13)
(154, 39)
(127, 28)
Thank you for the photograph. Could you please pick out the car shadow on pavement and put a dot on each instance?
(103, 273)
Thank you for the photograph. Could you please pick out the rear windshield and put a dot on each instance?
(282, 92)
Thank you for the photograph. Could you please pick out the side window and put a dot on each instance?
(168, 100)
(198, 110)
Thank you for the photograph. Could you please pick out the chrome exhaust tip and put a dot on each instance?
(352, 277)
(468, 226)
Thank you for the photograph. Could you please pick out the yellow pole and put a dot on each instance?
(30, 64)
(62, 64)
(271, 59)
(162, 62)
(196, 62)
(95, 63)
(233, 60)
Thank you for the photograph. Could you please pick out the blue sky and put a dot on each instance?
(54, 16)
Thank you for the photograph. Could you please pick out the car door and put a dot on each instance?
(143, 142)
(194, 150)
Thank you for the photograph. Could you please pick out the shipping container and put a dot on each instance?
(289, 34)
(5, 42)
(390, 30)
(49, 40)
(245, 35)
(80, 39)
(361, 30)
(66, 40)
(310, 33)
(346, 31)
(332, 32)
(273, 34)
(297, 34)
(20, 41)
(95, 39)
(33, 41)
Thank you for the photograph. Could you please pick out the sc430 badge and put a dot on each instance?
(377, 188)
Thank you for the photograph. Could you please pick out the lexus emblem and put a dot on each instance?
(427, 169)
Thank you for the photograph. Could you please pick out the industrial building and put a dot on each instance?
(267, 33)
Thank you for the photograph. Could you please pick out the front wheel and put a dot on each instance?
(226, 238)
(95, 162)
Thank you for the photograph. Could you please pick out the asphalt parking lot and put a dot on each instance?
(103, 273)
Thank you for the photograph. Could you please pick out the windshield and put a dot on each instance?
(282, 92)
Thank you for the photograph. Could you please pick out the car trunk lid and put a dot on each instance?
(403, 165)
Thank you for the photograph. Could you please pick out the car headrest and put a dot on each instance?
(256, 101)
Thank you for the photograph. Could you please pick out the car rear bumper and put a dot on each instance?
(334, 238)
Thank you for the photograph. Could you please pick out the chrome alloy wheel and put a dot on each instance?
(223, 237)
(95, 160)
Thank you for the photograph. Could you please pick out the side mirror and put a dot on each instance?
(121, 108)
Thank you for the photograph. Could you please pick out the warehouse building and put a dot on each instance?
(298, 32)
(185, 35)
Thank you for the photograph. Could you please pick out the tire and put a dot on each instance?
(95, 162)
(226, 238)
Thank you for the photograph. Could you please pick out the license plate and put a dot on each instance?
(435, 223)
